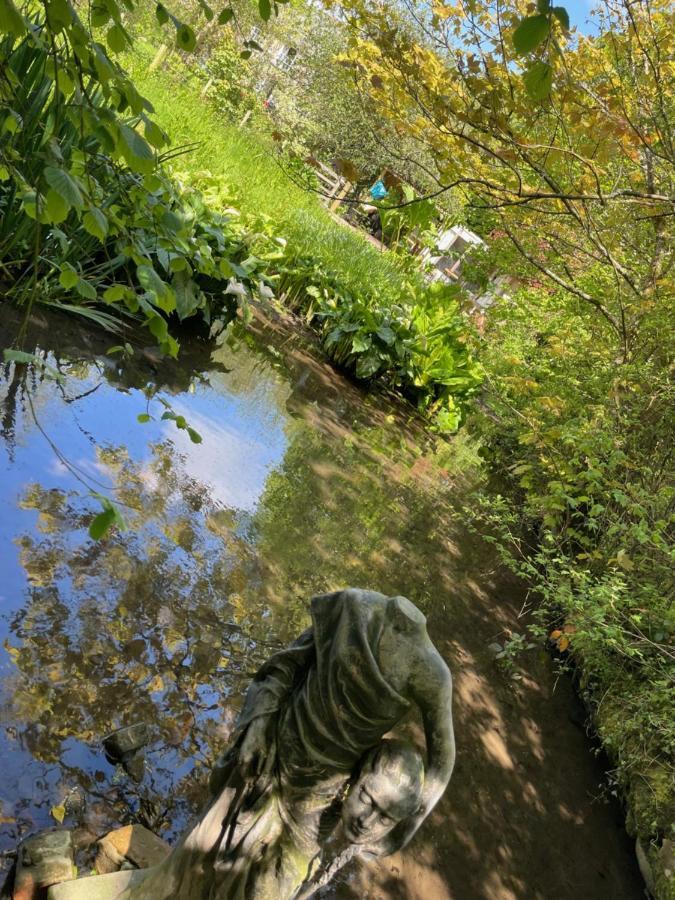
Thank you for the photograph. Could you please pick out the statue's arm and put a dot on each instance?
(430, 686)
(432, 691)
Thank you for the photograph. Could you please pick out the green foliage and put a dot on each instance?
(581, 450)
(111, 228)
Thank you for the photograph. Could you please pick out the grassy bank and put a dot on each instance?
(259, 183)
(375, 314)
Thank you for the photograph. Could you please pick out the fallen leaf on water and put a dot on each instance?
(59, 813)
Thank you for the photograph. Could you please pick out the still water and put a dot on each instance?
(300, 484)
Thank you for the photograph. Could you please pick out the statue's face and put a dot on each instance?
(375, 803)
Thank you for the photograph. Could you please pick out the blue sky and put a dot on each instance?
(579, 11)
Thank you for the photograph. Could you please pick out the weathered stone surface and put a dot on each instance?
(125, 741)
(43, 860)
(134, 844)
(97, 887)
(313, 720)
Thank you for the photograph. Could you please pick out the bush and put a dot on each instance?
(581, 446)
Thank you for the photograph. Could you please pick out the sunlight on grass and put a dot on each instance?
(260, 185)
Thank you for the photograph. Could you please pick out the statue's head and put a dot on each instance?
(387, 790)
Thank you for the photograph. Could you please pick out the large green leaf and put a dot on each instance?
(530, 33)
(65, 186)
(562, 16)
(265, 9)
(116, 39)
(187, 299)
(136, 150)
(185, 38)
(11, 20)
(538, 80)
(56, 208)
(96, 223)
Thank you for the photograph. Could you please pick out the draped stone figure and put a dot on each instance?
(309, 735)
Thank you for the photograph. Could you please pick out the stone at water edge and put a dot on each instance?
(97, 887)
(43, 860)
(133, 844)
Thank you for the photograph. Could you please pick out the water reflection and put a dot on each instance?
(301, 485)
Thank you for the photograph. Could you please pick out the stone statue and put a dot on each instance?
(307, 780)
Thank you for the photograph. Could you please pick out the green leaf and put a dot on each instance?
(187, 301)
(386, 334)
(562, 16)
(206, 9)
(154, 134)
(58, 15)
(100, 15)
(143, 418)
(86, 290)
(116, 39)
(150, 280)
(226, 16)
(265, 9)
(20, 356)
(195, 436)
(64, 185)
(538, 80)
(101, 524)
(104, 521)
(95, 223)
(11, 20)
(185, 38)
(162, 14)
(68, 277)
(246, 54)
(114, 293)
(56, 207)
(13, 120)
(136, 150)
(530, 33)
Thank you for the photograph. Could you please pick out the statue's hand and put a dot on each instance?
(255, 751)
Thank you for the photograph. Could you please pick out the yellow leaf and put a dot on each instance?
(58, 813)
(157, 684)
(563, 644)
(555, 635)
(625, 561)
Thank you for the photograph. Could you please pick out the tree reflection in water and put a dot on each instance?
(165, 623)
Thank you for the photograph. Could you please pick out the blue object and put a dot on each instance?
(378, 191)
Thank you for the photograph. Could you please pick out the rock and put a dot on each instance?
(134, 766)
(43, 860)
(132, 844)
(96, 887)
(126, 741)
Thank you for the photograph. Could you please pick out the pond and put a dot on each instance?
(301, 484)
